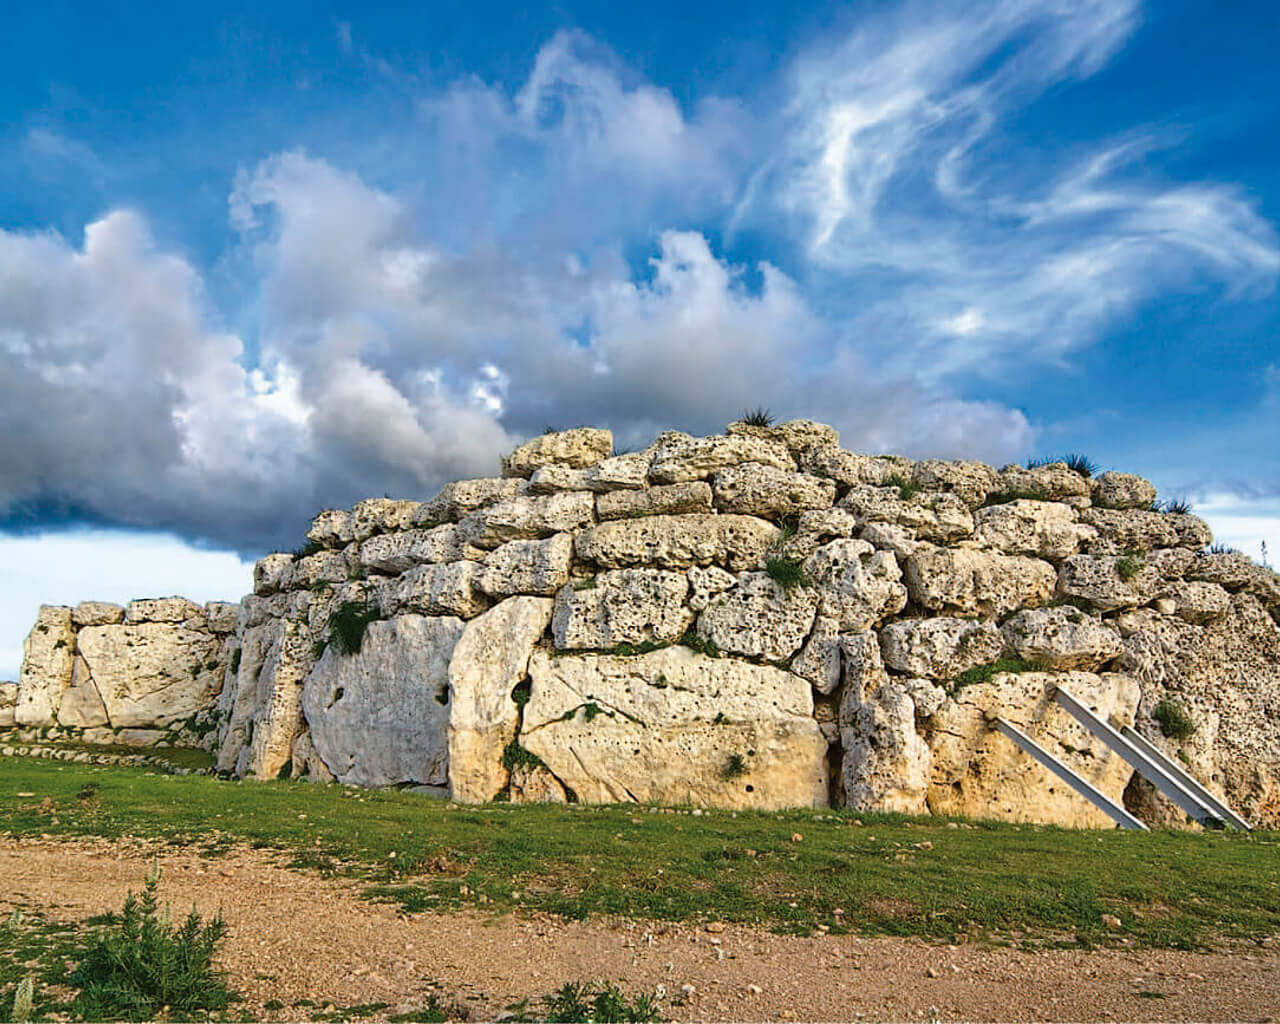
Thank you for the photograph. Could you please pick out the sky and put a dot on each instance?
(262, 259)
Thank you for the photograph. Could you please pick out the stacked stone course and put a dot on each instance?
(755, 619)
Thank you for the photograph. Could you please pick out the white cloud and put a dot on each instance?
(1244, 523)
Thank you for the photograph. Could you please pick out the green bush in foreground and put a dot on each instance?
(147, 964)
(585, 1001)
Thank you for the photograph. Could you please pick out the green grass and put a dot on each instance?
(985, 673)
(1128, 566)
(601, 1003)
(1036, 885)
(1076, 462)
(787, 572)
(348, 623)
(758, 417)
(907, 489)
(1173, 719)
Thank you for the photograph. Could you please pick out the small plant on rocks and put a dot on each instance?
(1173, 719)
(758, 417)
(787, 572)
(348, 623)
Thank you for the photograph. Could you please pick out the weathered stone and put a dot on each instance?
(888, 537)
(463, 497)
(939, 648)
(380, 717)
(307, 762)
(934, 516)
(323, 567)
(162, 609)
(48, 654)
(272, 574)
(1109, 582)
(967, 582)
(679, 457)
(817, 528)
(862, 671)
(137, 737)
(886, 762)
(706, 583)
(819, 659)
(275, 701)
(1170, 563)
(577, 449)
(1053, 481)
(395, 553)
(856, 585)
(150, 674)
(533, 784)
(382, 515)
(553, 478)
(490, 659)
(1041, 529)
(1120, 530)
(624, 606)
(452, 588)
(759, 618)
(96, 613)
(672, 499)
(677, 542)
(849, 469)
(797, 435)
(971, 482)
(1198, 602)
(81, 706)
(675, 727)
(332, 528)
(8, 701)
(755, 489)
(1122, 490)
(1061, 638)
(1228, 569)
(221, 616)
(620, 473)
(538, 567)
(529, 518)
(979, 773)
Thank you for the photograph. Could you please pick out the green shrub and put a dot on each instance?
(348, 623)
(985, 673)
(599, 1003)
(1174, 506)
(1128, 566)
(695, 641)
(515, 756)
(147, 964)
(1173, 719)
(907, 489)
(758, 417)
(1218, 548)
(787, 572)
(308, 549)
(734, 768)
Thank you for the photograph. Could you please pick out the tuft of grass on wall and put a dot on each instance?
(347, 625)
(758, 417)
(787, 572)
(985, 673)
(1173, 719)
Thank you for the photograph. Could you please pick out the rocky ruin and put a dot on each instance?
(759, 619)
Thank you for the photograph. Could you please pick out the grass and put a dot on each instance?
(592, 1001)
(907, 489)
(735, 767)
(695, 641)
(311, 547)
(787, 572)
(1076, 462)
(1128, 566)
(1174, 506)
(985, 673)
(1030, 884)
(347, 625)
(758, 417)
(1218, 548)
(1173, 719)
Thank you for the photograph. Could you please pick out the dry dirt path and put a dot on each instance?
(297, 936)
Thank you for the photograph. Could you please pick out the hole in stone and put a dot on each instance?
(751, 789)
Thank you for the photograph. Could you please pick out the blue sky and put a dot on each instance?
(256, 260)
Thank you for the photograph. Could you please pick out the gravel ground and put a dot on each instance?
(295, 936)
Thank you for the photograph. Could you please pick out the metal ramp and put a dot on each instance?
(1082, 786)
(1189, 795)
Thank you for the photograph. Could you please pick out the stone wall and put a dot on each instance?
(755, 619)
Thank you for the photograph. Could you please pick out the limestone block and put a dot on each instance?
(48, 655)
(623, 606)
(382, 515)
(675, 727)
(533, 784)
(380, 717)
(1061, 638)
(1229, 569)
(980, 773)
(886, 762)
(967, 582)
(527, 518)
(971, 482)
(221, 616)
(490, 658)
(452, 588)
(819, 527)
(395, 553)
(677, 542)
(758, 618)
(1122, 490)
(706, 583)
(332, 528)
(162, 609)
(752, 488)
(849, 469)
(797, 435)
(672, 499)
(1109, 582)
(8, 701)
(1171, 563)
(151, 674)
(1051, 482)
(272, 574)
(620, 473)
(538, 567)
(462, 497)
(819, 659)
(939, 648)
(933, 515)
(901, 540)
(856, 585)
(1198, 602)
(1041, 529)
(82, 706)
(577, 449)
(277, 709)
(96, 613)
(679, 457)
(323, 567)
(862, 672)
(307, 763)
(1121, 530)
